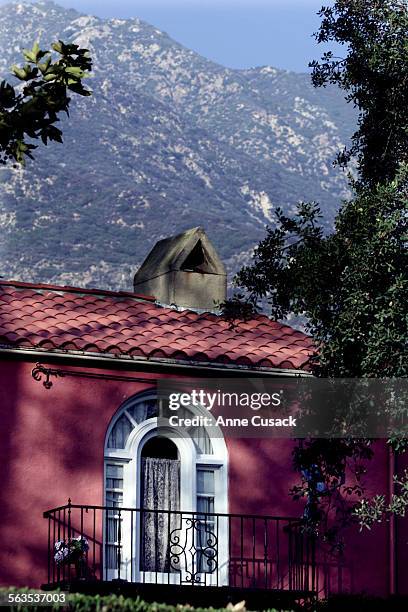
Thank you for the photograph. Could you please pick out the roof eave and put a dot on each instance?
(106, 359)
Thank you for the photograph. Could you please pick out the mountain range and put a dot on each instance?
(169, 140)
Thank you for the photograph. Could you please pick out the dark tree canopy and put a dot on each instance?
(30, 110)
(374, 75)
(351, 285)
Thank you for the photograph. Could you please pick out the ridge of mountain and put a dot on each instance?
(169, 140)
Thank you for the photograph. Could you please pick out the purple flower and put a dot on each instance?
(69, 551)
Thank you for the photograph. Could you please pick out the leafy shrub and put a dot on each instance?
(78, 602)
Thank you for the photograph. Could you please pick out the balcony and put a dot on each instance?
(178, 556)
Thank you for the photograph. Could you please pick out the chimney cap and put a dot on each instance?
(191, 250)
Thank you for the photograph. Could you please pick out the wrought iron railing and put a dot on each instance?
(175, 547)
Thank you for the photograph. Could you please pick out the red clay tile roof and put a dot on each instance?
(123, 324)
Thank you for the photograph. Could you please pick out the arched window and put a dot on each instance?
(141, 408)
(182, 474)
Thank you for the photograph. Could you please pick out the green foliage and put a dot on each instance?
(374, 74)
(77, 602)
(351, 285)
(30, 111)
(328, 511)
(371, 511)
(119, 603)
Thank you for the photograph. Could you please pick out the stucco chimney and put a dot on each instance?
(184, 270)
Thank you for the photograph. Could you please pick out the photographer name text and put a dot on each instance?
(209, 421)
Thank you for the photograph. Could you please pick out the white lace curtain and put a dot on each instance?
(160, 491)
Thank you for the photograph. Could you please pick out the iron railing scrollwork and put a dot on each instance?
(235, 550)
(194, 549)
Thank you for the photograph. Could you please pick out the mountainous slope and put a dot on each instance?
(169, 140)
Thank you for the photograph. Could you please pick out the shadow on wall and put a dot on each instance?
(52, 448)
(260, 478)
(9, 414)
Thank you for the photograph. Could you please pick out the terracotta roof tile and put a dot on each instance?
(120, 323)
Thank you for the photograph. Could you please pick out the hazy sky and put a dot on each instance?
(235, 33)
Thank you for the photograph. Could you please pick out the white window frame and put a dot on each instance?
(190, 460)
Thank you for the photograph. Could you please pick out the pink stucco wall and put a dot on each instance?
(52, 444)
(51, 448)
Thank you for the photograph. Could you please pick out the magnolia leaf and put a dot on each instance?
(41, 54)
(79, 89)
(75, 70)
(29, 55)
(19, 72)
(45, 65)
(57, 46)
(36, 106)
(36, 48)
